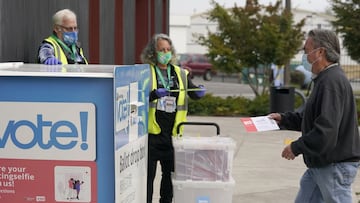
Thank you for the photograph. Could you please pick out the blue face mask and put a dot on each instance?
(305, 63)
(70, 38)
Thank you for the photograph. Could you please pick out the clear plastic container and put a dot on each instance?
(203, 191)
(204, 158)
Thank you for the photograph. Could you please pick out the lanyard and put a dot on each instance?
(72, 51)
(162, 78)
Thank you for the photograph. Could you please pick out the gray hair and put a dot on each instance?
(329, 41)
(59, 16)
(149, 56)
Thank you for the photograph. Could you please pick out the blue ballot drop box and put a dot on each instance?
(73, 133)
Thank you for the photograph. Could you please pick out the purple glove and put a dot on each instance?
(161, 92)
(52, 61)
(201, 92)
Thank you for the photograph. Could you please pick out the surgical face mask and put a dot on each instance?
(305, 62)
(164, 58)
(70, 38)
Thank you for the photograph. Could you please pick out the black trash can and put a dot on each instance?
(282, 99)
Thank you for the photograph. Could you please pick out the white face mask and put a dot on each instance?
(305, 61)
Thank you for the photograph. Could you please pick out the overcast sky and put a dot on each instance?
(188, 7)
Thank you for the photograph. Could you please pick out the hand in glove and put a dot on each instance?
(161, 92)
(52, 61)
(201, 91)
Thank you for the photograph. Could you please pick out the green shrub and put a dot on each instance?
(297, 77)
(205, 106)
(229, 106)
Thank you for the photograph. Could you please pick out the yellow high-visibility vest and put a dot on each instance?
(59, 52)
(181, 106)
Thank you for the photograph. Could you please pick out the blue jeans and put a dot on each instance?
(330, 184)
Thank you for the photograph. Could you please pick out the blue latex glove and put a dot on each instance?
(52, 61)
(201, 92)
(161, 92)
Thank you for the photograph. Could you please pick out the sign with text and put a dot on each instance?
(47, 131)
(47, 181)
(131, 93)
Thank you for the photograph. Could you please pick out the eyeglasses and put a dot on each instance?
(69, 29)
(309, 52)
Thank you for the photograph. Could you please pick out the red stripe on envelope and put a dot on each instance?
(249, 125)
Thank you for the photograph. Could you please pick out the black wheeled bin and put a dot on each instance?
(282, 99)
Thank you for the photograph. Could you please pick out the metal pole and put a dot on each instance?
(287, 65)
(288, 5)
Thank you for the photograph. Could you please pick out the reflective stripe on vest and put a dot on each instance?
(59, 53)
(181, 106)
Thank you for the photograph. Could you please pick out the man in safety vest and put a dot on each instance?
(169, 87)
(62, 46)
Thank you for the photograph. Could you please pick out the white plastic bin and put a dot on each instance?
(203, 191)
(204, 158)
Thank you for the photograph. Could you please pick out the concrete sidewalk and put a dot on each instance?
(261, 175)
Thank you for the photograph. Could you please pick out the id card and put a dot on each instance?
(167, 104)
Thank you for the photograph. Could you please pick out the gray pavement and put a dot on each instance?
(261, 175)
(224, 87)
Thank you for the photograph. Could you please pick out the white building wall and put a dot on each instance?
(199, 26)
(179, 27)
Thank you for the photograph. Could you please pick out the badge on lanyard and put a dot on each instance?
(167, 104)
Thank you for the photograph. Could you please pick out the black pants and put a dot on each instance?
(166, 187)
(160, 149)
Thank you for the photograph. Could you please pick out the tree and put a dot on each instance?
(253, 37)
(347, 23)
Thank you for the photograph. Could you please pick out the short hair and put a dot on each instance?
(149, 56)
(59, 16)
(328, 40)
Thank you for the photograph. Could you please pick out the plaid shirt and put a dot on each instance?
(46, 51)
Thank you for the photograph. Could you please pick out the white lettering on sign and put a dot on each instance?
(47, 130)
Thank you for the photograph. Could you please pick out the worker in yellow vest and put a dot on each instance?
(62, 47)
(169, 87)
